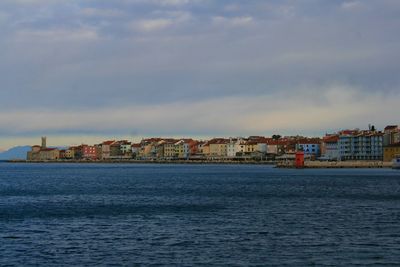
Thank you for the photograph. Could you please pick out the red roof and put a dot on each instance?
(279, 142)
(48, 149)
(151, 140)
(331, 139)
(309, 141)
(349, 132)
(108, 143)
(217, 141)
(391, 127)
(170, 140)
(251, 143)
(273, 142)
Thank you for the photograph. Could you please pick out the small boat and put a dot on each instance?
(396, 163)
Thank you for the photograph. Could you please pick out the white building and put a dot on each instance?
(330, 149)
(360, 145)
(262, 148)
(234, 147)
(182, 149)
(126, 148)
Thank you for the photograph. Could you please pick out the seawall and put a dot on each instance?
(250, 162)
(337, 164)
(278, 164)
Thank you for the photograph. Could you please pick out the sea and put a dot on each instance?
(197, 215)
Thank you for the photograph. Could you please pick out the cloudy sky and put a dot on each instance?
(84, 70)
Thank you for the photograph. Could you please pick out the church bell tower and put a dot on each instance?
(44, 142)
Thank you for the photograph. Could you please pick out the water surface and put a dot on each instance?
(191, 215)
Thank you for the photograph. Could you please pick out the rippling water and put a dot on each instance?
(190, 215)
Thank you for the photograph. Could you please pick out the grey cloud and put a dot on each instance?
(89, 55)
(339, 106)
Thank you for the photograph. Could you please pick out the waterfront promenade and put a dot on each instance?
(278, 164)
(337, 164)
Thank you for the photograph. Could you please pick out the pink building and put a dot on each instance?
(89, 152)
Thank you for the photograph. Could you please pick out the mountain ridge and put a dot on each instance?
(18, 152)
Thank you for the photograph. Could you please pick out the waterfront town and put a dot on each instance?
(345, 145)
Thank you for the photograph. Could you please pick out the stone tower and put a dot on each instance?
(44, 142)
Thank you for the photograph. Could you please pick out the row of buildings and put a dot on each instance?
(362, 144)
(344, 145)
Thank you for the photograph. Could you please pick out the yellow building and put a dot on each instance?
(159, 148)
(49, 154)
(205, 149)
(182, 148)
(169, 149)
(34, 153)
(43, 153)
(146, 150)
(218, 147)
(69, 154)
(179, 149)
(150, 148)
(250, 147)
(390, 152)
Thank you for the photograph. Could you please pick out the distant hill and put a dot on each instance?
(18, 152)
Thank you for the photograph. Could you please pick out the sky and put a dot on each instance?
(87, 70)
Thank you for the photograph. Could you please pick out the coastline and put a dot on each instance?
(338, 164)
(200, 162)
(276, 164)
